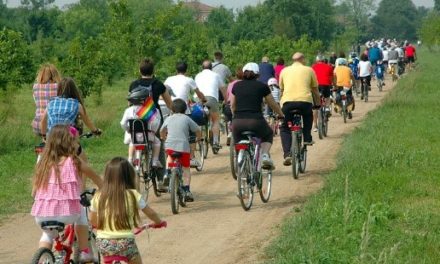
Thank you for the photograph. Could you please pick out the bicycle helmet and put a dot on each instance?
(272, 81)
(138, 94)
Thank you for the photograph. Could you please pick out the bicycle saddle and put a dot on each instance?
(248, 133)
(295, 112)
(52, 225)
(176, 154)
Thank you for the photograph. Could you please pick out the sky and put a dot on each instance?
(227, 3)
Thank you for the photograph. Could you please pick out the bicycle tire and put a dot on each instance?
(233, 159)
(295, 149)
(344, 112)
(320, 124)
(205, 140)
(153, 179)
(303, 160)
(325, 125)
(174, 191)
(43, 255)
(245, 189)
(180, 193)
(143, 180)
(200, 155)
(265, 188)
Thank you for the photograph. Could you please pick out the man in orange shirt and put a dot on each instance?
(343, 80)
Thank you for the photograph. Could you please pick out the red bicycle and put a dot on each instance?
(65, 249)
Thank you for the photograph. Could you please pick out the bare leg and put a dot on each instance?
(215, 127)
(265, 147)
(82, 234)
(186, 176)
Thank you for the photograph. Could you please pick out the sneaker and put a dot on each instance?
(189, 197)
(86, 257)
(228, 141)
(161, 186)
(216, 145)
(287, 161)
(267, 162)
(194, 163)
(315, 129)
(157, 164)
(309, 143)
(350, 115)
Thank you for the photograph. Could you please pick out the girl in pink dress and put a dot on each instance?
(57, 185)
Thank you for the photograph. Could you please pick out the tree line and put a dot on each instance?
(99, 41)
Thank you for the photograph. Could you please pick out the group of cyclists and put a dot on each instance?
(244, 99)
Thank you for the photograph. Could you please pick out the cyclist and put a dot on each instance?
(380, 71)
(221, 69)
(67, 108)
(385, 60)
(393, 59)
(353, 64)
(410, 55)
(343, 80)
(374, 55)
(299, 90)
(246, 100)
(182, 87)
(324, 76)
(210, 84)
(176, 131)
(266, 70)
(227, 112)
(57, 184)
(401, 61)
(365, 69)
(278, 68)
(44, 88)
(115, 210)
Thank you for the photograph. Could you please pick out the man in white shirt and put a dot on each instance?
(182, 85)
(210, 84)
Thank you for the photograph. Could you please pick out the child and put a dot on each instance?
(275, 89)
(176, 132)
(137, 98)
(380, 70)
(115, 212)
(57, 187)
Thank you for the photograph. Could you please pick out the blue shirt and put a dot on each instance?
(266, 72)
(61, 111)
(374, 54)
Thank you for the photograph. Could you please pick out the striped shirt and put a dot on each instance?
(42, 92)
(62, 111)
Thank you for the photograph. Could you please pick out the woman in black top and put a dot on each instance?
(246, 104)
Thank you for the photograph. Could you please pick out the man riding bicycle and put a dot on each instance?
(324, 75)
(343, 80)
(299, 89)
(210, 83)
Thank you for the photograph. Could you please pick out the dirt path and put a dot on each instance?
(215, 229)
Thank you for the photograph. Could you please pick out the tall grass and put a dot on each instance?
(382, 203)
(17, 141)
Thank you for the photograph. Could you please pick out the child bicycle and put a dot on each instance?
(250, 172)
(65, 245)
(175, 174)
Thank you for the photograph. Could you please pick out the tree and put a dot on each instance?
(37, 4)
(359, 12)
(429, 32)
(396, 20)
(16, 66)
(437, 5)
(219, 22)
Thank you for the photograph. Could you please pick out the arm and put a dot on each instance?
(233, 104)
(167, 98)
(273, 105)
(91, 174)
(200, 95)
(43, 123)
(86, 119)
(151, 214)
(223, 91)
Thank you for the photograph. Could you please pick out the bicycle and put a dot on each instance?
(146, 173)
(117, 259)
(38, 149)
(175, 174)
(364, 89)
(250, 172)
(199, 153)
(297, 149)
(65, 246)
(323, 116)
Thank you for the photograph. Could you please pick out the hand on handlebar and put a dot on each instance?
(163, 224)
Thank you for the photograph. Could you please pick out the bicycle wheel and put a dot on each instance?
(142, 177)
(174, 190)
(153, 181)
(344, 111)
(233, 159)
(295, 149)
(265, 188)
(245, 189)
(325, 124)
(205, 140)
(43, 256)
(303, 162)
(320, 124)
(199, 155)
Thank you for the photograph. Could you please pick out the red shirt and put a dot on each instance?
(278, 69)
(324, 73)
(410, 51)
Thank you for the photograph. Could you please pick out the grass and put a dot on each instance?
(382, 203)
(17, 141)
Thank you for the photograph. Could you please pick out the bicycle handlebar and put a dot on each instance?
(162, 224)
(84, 199)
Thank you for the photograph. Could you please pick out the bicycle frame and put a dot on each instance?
(253, 145)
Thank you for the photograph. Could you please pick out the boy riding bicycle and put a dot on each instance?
(176, 132)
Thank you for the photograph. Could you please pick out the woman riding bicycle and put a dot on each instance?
(246, 105)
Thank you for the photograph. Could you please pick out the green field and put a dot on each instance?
(17, 141)
(382, 203)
